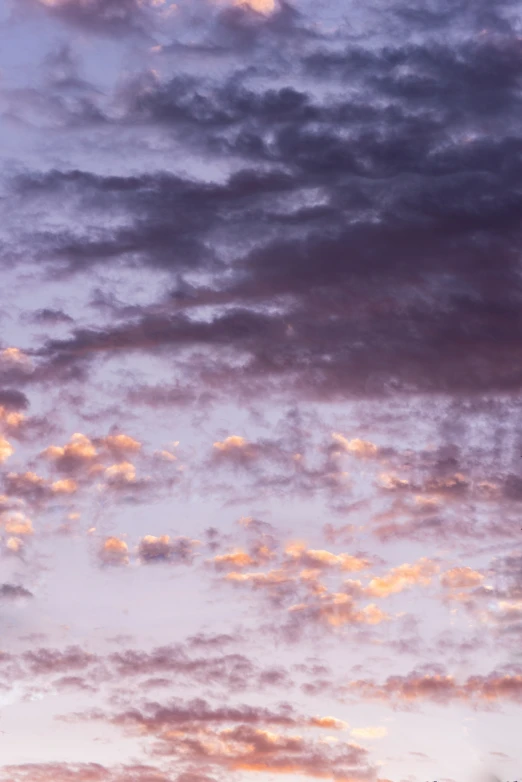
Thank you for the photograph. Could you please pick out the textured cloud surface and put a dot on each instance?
(260, 439)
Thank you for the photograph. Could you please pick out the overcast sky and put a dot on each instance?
(260, 375)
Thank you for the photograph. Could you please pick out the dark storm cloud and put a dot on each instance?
(170, 218)
(240, 327)
(390, 110)
(383, 220)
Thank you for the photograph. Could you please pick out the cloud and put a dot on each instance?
(11, 421)
(360, 448)
(236, 450)
(12, 399)
(164, 549)
(231, 671)
(14, 357)
(247, 738)
(119, 445)
(209, 640)
(76, 455)
(103, 17)
(308, 241)
(336, 246)
(330, 723)
(303, 592)
(234, 560)
(83, 459)
(6, 449)
(120, 474)
(114, 551)
(47, 661)
(402, 577)
(80, 772)
(13, 592)
(64, 486)
(441, 688)
(180, 713)
(14, 545)
(334, 609)
(27, 486)
(50, 316)
(16, 524)
(298, 554)
(271, 579)
(177, 665)
(260, 6)
(461, 578)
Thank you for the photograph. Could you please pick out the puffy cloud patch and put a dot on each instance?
(114, 551)
(78, 454)
(166, 549)
(6, 449)
(13, 592)
(403, 577)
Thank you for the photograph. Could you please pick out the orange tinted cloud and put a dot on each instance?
(114, 552)
(14, 545)
(461, 578)
(250, 739)
(65, 486)
(265, 7)
(6, 449)
(78, 453)
(402, 577)
(120, 444)
(271, 578)
(17, 524)
(123, 472)
(337, 609)
(361, 448)
(11, 420)
(234, 559)
(14, 357)
(393, 482)
(329, 723)
(232, 443)
(319, 558)
(236, 449)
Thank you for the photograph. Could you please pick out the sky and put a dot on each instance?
(260, 391)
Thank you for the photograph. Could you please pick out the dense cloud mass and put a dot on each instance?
(260, 440)
(380, 219)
